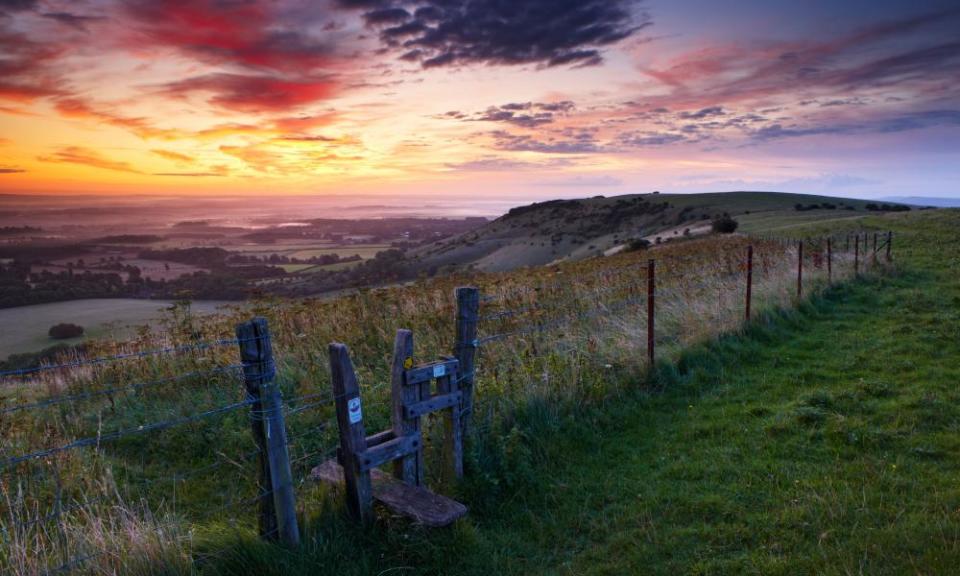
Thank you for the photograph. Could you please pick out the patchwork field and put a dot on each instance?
(101, 318)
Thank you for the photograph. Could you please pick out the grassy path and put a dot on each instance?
(826, 441)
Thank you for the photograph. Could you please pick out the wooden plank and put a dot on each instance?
(389, 451)
(453, 433)
(465, 348)
(379, 438)
(414, 502)
(277, 510)
(434, 403)
(431, 371)
(353, 438)
(410, 469)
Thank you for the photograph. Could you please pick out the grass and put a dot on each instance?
(821, 440)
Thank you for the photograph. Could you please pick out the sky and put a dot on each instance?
(479, 99)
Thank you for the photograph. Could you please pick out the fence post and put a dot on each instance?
(856, 256)
(749, 278)
(353, 437)
(278, 516)
(465, 348)
(651, 290)
(875, 248)
(889, 245)
(829, 260)
(800, 269)
(410, 468)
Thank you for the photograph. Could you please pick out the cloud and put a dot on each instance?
(499, 164)
(504, 140)
(87, 157)
(543, 32)
(253, 93)
(523, 114)
(70, 107)
(882, 125)
(77, 21)
(175, 156)
(7, 170)
(703, 113)
(25, 73)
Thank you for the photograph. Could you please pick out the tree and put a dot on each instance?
(725, 225)
(65, 330)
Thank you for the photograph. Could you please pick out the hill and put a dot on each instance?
(558, 230)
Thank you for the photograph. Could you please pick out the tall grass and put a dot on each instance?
(553, 339)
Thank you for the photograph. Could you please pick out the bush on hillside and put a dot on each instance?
(65, 330)
(725, 225)
(635, 244)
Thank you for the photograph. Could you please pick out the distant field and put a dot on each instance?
(365, 251)
(112, 317)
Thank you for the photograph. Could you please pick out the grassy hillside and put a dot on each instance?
(559, 230)
(574, 449)
(820, 441)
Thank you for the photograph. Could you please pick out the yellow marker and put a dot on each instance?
(408, 363)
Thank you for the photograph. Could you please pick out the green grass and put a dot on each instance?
(101, 318)
(820, 441)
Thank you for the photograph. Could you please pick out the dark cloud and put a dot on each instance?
(651, 139)
(504, 140)
(885, 125)
(523, 114)
(703, 113)
(11, 170)
(73, 20)
(543, 32)
(7, 6)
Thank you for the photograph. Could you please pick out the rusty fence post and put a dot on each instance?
(749, 278)
(651, 289)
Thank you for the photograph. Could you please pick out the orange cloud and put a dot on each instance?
(175, 156)
(87, 157)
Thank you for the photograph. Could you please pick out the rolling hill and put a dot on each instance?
(557, 230)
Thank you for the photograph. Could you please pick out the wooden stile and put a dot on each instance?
(353, 439)
(409, 468)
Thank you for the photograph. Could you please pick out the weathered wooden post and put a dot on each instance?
(277, 516)
(829, 260)
(889, 245)
(875, 248)
(353, 438)
(452, 428)
(410, 468)
(651, 290)
(749, 278)
(465, 348)
(800, 269)
(856, 255)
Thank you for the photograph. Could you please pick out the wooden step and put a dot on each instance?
(418, 504)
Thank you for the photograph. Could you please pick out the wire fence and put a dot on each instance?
(161, 437)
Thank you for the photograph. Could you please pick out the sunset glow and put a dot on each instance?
(525, 100)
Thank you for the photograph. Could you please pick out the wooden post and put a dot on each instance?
(409, 468)
(856, 255)
(749, 278)
(889, 246)
(874, 248)
(800, 269)
(353, 438)
(651, 290)
(830, 260)
(277, 516)
(452, 429)
(465, 348)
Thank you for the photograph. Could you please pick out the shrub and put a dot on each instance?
(635, 244)
(725, 225)
(65, 330)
